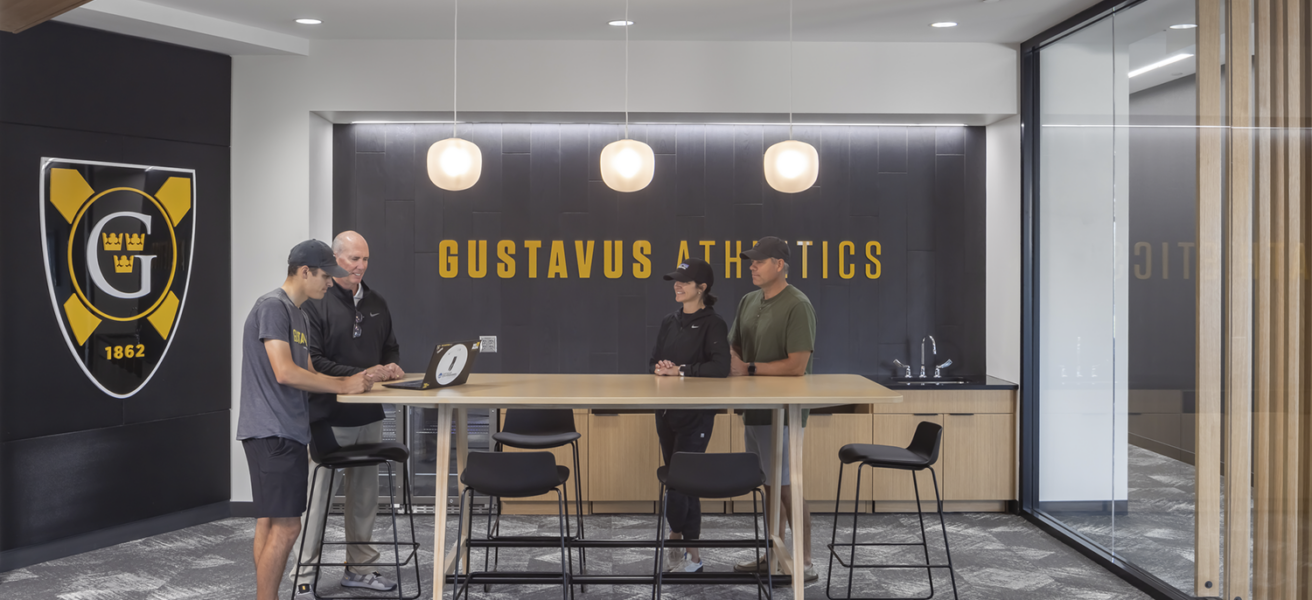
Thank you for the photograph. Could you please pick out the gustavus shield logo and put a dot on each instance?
(118, 243)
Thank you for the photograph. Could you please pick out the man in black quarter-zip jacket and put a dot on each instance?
(350, 332)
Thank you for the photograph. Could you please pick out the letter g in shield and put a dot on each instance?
(118, 244)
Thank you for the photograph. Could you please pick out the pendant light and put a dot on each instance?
(791, 166)
(454, 164)
(627, 165)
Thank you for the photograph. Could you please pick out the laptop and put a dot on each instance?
(450, 365)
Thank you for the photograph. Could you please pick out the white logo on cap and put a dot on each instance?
(683, 265)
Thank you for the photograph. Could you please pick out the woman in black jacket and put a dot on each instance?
(693, 342)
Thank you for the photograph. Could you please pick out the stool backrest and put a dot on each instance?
(714, 475)
(322, 440)
(486, 471)
(539, 421)
(927, 440)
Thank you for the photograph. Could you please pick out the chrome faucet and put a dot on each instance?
(933, 347)
(907, 368)
(938, 369)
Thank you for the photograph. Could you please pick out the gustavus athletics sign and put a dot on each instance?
(118, 243)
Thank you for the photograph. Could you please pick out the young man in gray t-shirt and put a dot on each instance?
(274, 424)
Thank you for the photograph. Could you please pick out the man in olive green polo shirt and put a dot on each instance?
(773, 334)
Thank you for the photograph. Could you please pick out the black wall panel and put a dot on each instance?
(54, 486)
(72, 459)
(918, 191)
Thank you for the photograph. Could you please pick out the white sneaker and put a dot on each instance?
(685, 565)
(372, 581)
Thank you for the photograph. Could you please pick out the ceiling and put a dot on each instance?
(997, 21)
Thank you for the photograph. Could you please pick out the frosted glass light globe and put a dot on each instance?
(627, 165)
(454, 164)
(791, 166)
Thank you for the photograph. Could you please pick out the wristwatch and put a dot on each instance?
(751, 368)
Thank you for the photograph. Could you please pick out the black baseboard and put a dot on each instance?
(31, 555)
(1086, 507)
(242, 509)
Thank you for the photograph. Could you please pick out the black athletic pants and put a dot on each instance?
(684, 431)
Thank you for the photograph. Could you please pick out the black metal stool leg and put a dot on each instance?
(660, 544)
(924, 541)
(765, 523)
(323, 531)
(565, 566)
(396, 538)
(578, 511)
(952, 575)
(300, 553)
(851, 559)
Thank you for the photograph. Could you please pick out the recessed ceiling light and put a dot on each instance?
(1184, 26)
(943, 24)
(309, 21)
(620, 23)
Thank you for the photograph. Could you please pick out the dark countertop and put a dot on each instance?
(969, 382)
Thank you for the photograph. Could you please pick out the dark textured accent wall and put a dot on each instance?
(74, 460)
(918, 191)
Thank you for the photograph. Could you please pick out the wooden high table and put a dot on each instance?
(790, 394)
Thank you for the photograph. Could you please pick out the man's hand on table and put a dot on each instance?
(737, 368)
(386, 372)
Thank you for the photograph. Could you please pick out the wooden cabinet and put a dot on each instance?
(620, 453)
(624, 454)
(826, 434)
(978, 458)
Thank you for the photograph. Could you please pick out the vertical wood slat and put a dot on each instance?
(1290, 521)
(1239, 321)
(1207, 441)
(1262, 500)
(1279, 460)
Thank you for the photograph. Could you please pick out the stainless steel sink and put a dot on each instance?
(930, 381)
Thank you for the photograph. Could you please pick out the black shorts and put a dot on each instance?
(279, 468)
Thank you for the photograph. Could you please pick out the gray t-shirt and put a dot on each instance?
(268, 408)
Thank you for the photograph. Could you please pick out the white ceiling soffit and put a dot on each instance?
(182, 27)
(268, 27)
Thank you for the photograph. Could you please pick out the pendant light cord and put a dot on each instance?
(790, 69)
(627, 24)
(455, 68)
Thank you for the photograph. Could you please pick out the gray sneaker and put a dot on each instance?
(674, 556)
(372, 581)
(751, 566)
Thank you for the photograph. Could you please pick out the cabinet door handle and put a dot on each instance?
(961, 414)
(924, 414)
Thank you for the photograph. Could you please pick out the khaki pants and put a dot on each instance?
(361, 491)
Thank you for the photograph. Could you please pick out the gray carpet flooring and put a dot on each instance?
(1157, 531)
(997, 557)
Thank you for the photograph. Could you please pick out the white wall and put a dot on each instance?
(277, 169)
(1002, 246)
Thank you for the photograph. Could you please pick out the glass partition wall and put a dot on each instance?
(1164, 293)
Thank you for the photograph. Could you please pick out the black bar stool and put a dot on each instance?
(514, 475)
(713, 475)
(540, 429)
(920, 455)
(330, 456)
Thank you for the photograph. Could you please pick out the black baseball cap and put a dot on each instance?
(695, 270)
(768, 247)
(317, 255)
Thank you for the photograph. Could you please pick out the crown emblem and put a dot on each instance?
(113, 241)
(136, 242)
(122, 264)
